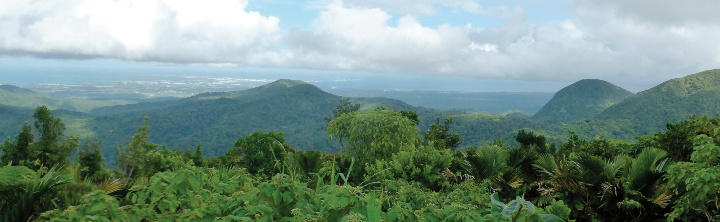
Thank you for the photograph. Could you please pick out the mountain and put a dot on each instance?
(12, 120)
(24, 98)
(492, 102)
(583, 99)
(216, 119)
(671, 101)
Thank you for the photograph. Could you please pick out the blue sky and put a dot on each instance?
(466, 45)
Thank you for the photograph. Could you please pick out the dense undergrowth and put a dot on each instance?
(386, 172)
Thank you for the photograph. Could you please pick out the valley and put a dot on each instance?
(612, 137)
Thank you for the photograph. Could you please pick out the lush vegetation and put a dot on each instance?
(301, 111)
(387, 170)
(581, 100)
(671, 101)
(24, 98)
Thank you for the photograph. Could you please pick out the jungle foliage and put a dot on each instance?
(388, 170)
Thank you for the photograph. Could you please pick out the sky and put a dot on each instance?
(473, 45)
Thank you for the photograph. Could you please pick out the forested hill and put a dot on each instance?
(12, 119)
(300, 110)
(671, 101)
(296, 108)
(581, 100)
(24, 98)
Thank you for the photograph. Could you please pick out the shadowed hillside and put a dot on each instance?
(216, 119)
(581, 100)
(24, 98)
(671, 101)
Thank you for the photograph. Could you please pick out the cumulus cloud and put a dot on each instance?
(653, 39)
(656, 11)
(362, 39)
(416, 7)
(625, 42)
(178, 31)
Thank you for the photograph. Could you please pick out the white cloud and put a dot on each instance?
(363, 39)
(416, 7)
(625, 42)
(656, 11)
(160, 30)
(596, 43)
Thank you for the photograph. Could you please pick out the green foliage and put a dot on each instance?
(519, 210)
(190, 194)
(13, 179)
(133, 159)
(671, 101)
(19, 152)
(376, 134)
(424, 165)
(484, 162)
(581, 100)
(345, 107)
(25, 98)
(95, 206)
(559, 209)
(52, 148)
(216, 119)
(677, 140)
(412, 115)
(697, 183)
(90, 157)
(260, 152)
(386, 172)
(440, 136)
(37, 197)
(528, 139)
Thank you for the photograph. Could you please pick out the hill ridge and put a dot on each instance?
(671, 101)
(583, 99)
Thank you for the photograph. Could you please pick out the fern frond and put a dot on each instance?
(110, 186)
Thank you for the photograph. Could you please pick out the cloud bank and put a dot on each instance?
(630, 42)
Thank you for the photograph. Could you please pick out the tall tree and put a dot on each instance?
(345, 106)
(51, 146)
(441, 136)
(90, 157)
(260, 152)
(376, 134)
(134, 157)
(19, 152)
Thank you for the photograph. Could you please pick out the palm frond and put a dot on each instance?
(546, 164)
(36, 196)
(110, 186)
(485, 162)
(643, 170)
(664, 199)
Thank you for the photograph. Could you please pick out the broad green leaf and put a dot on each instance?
(511, 208)
(550, 218)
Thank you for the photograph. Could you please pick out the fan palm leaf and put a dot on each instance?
(35, 199)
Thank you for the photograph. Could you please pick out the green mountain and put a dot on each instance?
(24, 98)
(671, 101)
(492, 102)
(583, 99)
(216, 119)
(12, 120)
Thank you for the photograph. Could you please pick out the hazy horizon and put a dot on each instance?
(21, 72)
(458, 45)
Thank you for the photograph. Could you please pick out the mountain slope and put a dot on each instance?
(24, 98)
(12, 120)
(217, 119)
(671, 101)
(583, 99)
